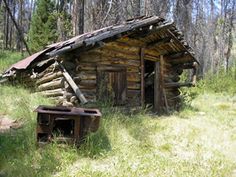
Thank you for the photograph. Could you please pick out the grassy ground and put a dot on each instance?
(200, 140)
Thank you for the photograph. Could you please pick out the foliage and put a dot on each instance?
(221, 82)
(8, 58)
(43, 28)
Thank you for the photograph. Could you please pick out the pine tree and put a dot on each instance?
(43, 28)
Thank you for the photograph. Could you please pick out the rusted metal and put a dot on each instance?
(65, 124)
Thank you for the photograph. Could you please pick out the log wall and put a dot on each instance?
(112, 55)
(83, 69)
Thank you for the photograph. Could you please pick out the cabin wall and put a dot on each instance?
(112, 56)
(84, 68)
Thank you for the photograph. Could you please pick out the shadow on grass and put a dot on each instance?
(20, 157)
(96, 144)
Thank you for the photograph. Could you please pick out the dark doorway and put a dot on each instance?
(149, 82)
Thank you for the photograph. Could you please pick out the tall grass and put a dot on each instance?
(221, 82)
(199, 141)
(8, 58)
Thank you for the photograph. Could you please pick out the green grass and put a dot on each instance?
(193, 142)
(8, 58)
(199, 141)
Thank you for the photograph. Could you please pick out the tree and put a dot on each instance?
(43, 28)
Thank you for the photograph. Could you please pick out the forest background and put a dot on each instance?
(208, 25)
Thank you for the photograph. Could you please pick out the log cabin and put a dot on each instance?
(136, 63)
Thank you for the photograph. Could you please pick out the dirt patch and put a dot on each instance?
(6, 124)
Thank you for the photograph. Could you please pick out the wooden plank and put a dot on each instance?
(72, 84)
(142, 77)
(158, 86)
(133, 77)
(57, 83)
(53, 93)
(49, 77)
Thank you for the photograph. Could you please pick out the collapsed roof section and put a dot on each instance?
(147, 32)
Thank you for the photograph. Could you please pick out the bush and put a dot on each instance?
(7, 58)
(222, 82)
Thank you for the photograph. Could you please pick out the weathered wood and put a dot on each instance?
(142, 66)
(122, 47)
(53, 93)
(57, 83)
(194, 74)
(134, 86)
(85, 67)
(86, 76)
(178, 42)
(158, 86)
(133, 93)
(182, 59)
(119, 54)
(157, 93)
(50, 77)
(133, 77)
(159, 42)
(73, 84)
(111, 68)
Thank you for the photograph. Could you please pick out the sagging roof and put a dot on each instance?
(142, 29)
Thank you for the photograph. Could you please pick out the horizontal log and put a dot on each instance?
(133, 93)
(53, 93)
(85, 67)
(133, 77)
(85, 76)
(57, 98)
(122, 47)
(88, 82)
(111, 68)
(59, 83)
(116, 60)
(49, 77)
(181, 59)
(119, 54)
(133, 86)
(90, 57)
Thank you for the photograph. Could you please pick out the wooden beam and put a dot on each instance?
(159, 42)
(177, 41)
(157, 94)
(142, 76)
(158, 86)
(72, 84)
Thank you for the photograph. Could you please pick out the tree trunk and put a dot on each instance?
(81, 17)
(75, 17)
(17, 27)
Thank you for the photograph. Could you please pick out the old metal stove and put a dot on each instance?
(65, 124)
